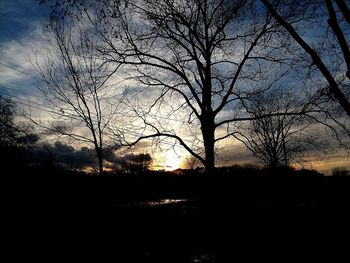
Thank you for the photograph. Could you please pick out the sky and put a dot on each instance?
(21, 36)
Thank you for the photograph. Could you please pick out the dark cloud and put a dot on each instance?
(236, 154)
(63, 155)
(67, 157)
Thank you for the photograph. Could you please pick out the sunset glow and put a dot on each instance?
(172, 161)
(92, 110)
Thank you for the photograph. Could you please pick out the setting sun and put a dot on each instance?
(172, 161)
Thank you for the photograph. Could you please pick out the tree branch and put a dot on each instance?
(334, 88)
(333, 23)
(159, 134)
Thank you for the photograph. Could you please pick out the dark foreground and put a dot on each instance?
(177, 218)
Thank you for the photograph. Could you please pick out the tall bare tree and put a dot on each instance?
(76, 92)
(208, 53)
(337, 15)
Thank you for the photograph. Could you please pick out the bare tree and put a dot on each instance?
(76, 92)
(338, 19)
(138, 163)
(278, 139)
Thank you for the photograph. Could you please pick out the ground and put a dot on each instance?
(177, 218)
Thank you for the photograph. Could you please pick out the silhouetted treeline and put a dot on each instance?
(237, 183)
(16, 139)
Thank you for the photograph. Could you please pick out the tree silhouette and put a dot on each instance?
(136, 163)
(340, 31)
(75, 90)
(7, 129)
(278, 139)
(15, 138)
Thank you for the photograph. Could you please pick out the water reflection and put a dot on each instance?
(205, 257)
(155, 203)
(165, 202)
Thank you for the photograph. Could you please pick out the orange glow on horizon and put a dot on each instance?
(328, 165)
(172, 161)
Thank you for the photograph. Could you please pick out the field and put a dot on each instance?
(180, 218)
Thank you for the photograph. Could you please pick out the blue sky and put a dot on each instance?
(20, 35)
(17, 16)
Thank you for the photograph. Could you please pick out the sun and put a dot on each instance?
(172, 161)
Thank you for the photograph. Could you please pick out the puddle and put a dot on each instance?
(203, 258)
(165, 202)
(155, 203)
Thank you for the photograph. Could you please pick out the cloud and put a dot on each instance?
(113, 158)
(17, 73)
(235, 154)
(63, 155)
(27, 7)
(21, 35)
(68, 157)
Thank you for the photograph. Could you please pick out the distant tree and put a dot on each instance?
(75, 90)
(136, 163)
(144, 161)
(275, 135)
(192, 163)
(341, 171)
(332, 61)
(15, 138)
(7, 129)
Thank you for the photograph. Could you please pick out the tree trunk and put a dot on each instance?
(284, 146)
(100, 165)
(208, 132)
(100, 161)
